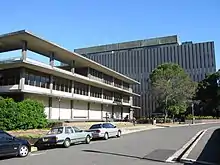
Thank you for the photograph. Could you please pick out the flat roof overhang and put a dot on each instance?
(13, 41)
(41, 67)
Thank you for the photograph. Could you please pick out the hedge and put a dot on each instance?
(28, 114)
(189, 117)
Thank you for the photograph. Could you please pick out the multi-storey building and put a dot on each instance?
(79, 90)
(137, 59)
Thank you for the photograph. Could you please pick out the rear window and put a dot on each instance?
(95, 126)
(58, 130)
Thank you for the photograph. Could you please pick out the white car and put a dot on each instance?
(104, 130)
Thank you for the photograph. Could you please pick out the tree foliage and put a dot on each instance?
(173, 86)
(28, 114)
(208, 92)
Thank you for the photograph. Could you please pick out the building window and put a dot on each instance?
(126, 99)
(61, 84)
(95, 92)
(95, 74)
(107, 95)
(38, 79)
(80, 88)
(107, 79)
(125, 86)
(117, 83)
(9, 77)
(117, 97)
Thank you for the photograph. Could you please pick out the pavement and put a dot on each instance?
(152, 147)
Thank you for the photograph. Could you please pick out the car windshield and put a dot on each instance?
(95, 126)
(57, 130)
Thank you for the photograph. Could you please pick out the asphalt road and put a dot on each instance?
(150, 147)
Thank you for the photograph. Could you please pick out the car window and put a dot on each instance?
(96, 126)
(57, 130)
(76, 129)
(111, 125)
(4, 136)
(106, 125)
(68, 130)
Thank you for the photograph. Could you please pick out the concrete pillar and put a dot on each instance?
(102, 94)
(22, 79)
(52, 59)
(121, 112)
(89, 90)
(102, 106)
(88, 74)
(50, 107)
(72, 66)
(51, 83)
(72, 108)
(113, 111)
(88, 109)
(131, 113)
(72, 88)
(24, 50)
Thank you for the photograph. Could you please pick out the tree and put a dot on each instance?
(208, 92)
(173, 87)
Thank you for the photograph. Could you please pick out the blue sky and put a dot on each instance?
(73, 24)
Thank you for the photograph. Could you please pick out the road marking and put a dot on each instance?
(38, 153)
(181, 150)
(193, 145)
(187, 160)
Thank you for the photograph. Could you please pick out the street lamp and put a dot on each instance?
(59, 99)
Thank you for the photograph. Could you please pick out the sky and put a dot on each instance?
(82, 23)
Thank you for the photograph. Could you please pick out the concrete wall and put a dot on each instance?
(117, 112)
(95, 111)
(80, 110)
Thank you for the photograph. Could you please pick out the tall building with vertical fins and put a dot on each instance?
(137, 59)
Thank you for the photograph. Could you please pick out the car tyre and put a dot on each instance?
(23, 151)
(66, 143)
(119, 134)
(106, 136)
(88, 139)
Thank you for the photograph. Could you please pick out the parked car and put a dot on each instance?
(12, 146)
(64, 135)
(104, 130)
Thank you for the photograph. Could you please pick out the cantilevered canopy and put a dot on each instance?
(13, 41)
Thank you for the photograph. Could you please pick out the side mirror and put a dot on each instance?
(115, 126)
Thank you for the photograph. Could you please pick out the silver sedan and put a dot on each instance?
(104, 130)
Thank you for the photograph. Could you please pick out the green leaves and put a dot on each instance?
(28, 114)
(173, 87)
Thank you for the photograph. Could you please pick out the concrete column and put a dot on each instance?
(89, 90)
(88, 109)
(121, 112)
(113, 111)
(22, 79)
(102, 111)
(72, 108)
(72, 66)
(131, 113)
(102, 94)
(88, 74)
(72, 88)
(24, 50)
(51, 83)
(113, 81)
(50, 107)
(52, 59)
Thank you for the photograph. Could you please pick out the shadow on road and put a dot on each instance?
(211, 151)
(121, 155)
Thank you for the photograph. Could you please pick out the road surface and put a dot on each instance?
(150, 147)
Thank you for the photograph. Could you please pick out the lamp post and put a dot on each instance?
(193, 118)
(59, 99)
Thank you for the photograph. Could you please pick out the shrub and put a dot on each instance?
(54, 124)
(28, 114)
(190, 117)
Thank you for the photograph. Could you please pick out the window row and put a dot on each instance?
(9, 77)
(80, 88)
(95, 92)
(61, 84)
(107, 94)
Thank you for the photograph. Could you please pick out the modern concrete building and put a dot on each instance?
(137, 59)
(79, 90)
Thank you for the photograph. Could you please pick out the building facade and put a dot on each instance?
(79, 90)
(137, 59)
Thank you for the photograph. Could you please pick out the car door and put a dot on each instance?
(7, 144)
(79, 134)
(109, 129)
(114, 129)
(71, 134)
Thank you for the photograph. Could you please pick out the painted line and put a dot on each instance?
(181, 150)
(193, 145)
(192, 161)
(38, 153)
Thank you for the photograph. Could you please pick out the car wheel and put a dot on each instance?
(88, 139)
(23, 151)
(119, 134)
(66, 143)
(106, 136)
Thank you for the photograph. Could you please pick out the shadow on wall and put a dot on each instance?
(211, 151)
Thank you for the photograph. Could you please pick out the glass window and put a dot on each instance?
(57, 130)
(68, 130)
(76, 129)
(4, 136)
(96, 126)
